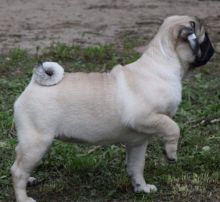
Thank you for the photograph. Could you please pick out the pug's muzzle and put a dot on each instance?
(207, 52)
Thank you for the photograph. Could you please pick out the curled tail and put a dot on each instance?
(48, 74)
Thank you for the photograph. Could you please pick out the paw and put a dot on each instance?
(147, 188)
(28, 199)
(169, 160)
(170, 152)
(32, 181)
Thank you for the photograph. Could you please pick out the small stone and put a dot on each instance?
(3, 144)
(206, 148)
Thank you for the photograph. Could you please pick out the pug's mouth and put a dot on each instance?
(207, 51)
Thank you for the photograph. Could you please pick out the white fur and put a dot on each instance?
(130, 104)
(44, 79)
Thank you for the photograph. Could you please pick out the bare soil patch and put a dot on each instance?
(29, 23)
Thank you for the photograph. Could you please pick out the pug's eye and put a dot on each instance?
(193, 25)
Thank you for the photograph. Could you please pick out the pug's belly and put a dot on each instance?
(99, 133)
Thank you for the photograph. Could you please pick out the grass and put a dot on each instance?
(71, 172)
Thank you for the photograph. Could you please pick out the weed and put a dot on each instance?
(71, 172)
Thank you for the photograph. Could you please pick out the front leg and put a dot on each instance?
(165, 128)
(135, 160)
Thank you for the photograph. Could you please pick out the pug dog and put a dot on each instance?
(129, 105)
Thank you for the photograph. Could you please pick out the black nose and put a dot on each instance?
(207, 52)
(206, 48)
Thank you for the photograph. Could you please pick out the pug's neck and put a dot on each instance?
(160, 55)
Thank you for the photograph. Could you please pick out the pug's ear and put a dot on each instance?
(188, 34)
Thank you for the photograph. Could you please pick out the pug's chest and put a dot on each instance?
(169, 101)
(171, 107)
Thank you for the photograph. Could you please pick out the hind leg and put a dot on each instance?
(29, 152)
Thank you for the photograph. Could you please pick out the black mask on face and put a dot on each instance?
(207, 52)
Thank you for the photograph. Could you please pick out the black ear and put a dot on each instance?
(188, 34)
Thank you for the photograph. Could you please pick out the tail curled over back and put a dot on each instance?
(48, 74)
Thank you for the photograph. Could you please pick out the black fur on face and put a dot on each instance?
(207, 52)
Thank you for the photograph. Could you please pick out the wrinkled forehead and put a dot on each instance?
(188, 21)
(178, 19)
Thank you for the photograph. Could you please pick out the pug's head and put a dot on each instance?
(190, 39)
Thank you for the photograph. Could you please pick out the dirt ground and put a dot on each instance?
(37, 23)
